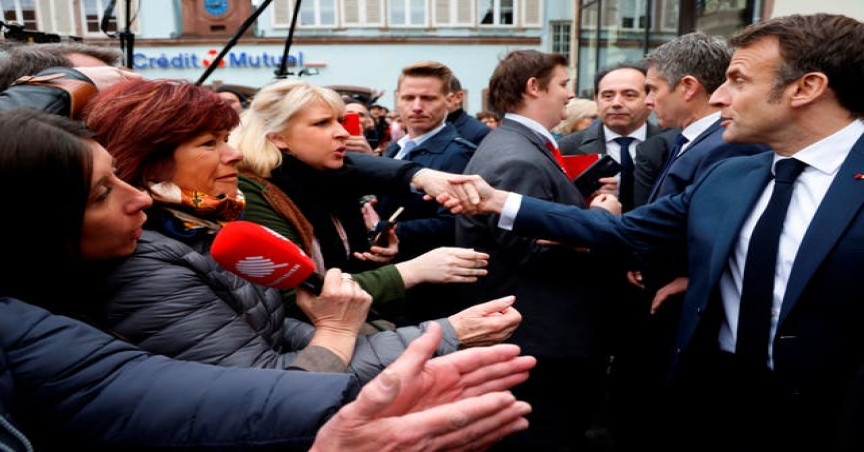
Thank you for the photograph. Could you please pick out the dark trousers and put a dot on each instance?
(564, 394)
(723, 404)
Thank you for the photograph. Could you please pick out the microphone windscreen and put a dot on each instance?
(260, 255)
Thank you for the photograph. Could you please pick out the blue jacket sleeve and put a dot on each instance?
(74, 383)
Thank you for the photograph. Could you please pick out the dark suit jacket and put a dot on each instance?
(468, 127)
(705, 150)
(424, 225)
(650, 160)
(819, 345)
(593, 141)
(558, 291)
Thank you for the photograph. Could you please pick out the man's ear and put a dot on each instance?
(807, 89)
(532, 87)
(689, 87)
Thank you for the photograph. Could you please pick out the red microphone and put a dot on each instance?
(262, 256)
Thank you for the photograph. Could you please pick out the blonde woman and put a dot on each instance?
(299, 182)
(581, 113)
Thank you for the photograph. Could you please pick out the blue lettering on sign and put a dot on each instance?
(189, 60)
(184, 60)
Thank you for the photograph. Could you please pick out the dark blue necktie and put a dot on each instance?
(757, 291)
(680, 141)
(625, 187)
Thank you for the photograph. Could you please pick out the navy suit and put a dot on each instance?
(424, 226)
(819, 344)
(468, 127)
(705, 150)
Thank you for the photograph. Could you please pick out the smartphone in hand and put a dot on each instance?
(382, 237)
(351, 123)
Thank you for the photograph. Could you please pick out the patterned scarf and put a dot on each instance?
(196, 209)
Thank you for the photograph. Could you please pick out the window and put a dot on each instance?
(92, 12)
(450, 13)
(363, 13)
(317, 13)
(21, 11)
(632, 15)
(496, 12)
(407, 13)
(561, 38)
(313, 13)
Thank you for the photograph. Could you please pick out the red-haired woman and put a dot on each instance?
(170, 297)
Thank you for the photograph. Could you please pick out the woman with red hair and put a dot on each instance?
(170, 297)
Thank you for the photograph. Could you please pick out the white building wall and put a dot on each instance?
(373, 66)
(851, 8)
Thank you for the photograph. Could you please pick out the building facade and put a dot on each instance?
(365, 43)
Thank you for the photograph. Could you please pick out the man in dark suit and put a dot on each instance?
(421, 99)
(620, 96)
(468, 127)
(681, 76)
(559, 291)
(770, 351)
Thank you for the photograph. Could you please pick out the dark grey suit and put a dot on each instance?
(593, 141)
(559, 292)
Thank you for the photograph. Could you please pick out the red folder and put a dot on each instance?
(574, 165)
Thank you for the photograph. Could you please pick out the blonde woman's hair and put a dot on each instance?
(576, 109)
(271, 111)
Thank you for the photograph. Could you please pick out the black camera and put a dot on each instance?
(16, 32)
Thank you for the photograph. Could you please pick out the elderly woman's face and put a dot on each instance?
(315, 136)
(208, 164)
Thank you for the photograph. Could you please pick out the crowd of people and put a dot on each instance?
(702, 297)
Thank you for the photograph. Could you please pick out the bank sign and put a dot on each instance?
(193, 60)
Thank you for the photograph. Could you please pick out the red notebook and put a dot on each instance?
(574, 165)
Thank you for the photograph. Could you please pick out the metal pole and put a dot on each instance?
(282, 72)
(232, 42)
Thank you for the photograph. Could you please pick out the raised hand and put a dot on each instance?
(444, 265)
(454, 402)
(486, 323)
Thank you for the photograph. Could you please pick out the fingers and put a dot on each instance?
(463, 423)
(375, 397)
(471, 359)
(493, 306)
(635, 278)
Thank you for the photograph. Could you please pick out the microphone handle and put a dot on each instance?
(313, 283)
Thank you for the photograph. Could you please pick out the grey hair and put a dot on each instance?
(696, 54)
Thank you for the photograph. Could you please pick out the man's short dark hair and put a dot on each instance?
(827, 43)
(605, 71)
(512, 73)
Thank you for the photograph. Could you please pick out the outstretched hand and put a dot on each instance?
(458, 401)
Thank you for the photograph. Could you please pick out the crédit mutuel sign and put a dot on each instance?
(235, 59)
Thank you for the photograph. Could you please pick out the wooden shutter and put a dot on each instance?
(532, 13)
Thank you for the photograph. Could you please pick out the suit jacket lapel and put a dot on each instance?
(531, 136)
(840, 206)
(594, 141)
(705, 133)
(750, 186)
